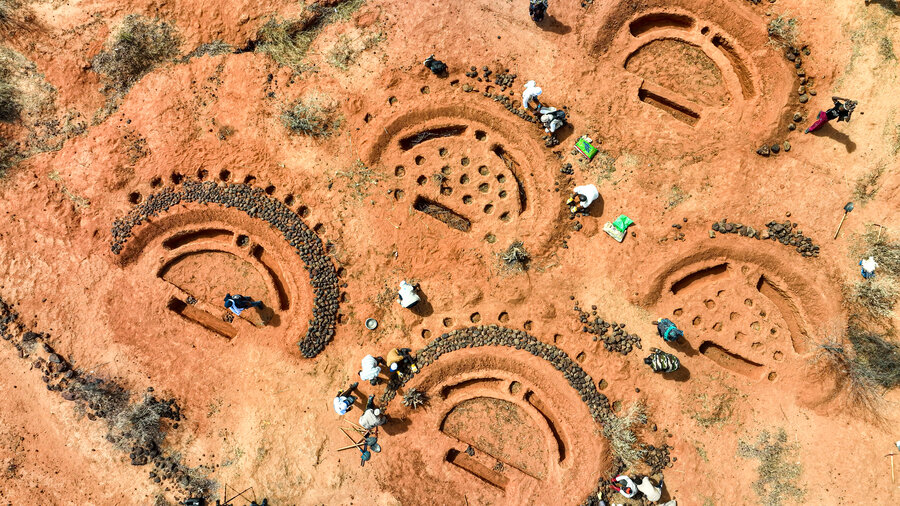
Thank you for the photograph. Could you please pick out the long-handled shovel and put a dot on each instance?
(847, 208)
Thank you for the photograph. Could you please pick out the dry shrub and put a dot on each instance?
(778, 471)
(9, 94)
(414, 398)
(622, 439)
(140, 45)
(515, 258)
(839, 358)
(213, 48)
(877, 358)
(311, 116)
(878, 296)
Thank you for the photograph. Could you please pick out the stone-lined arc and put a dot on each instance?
(258, 205)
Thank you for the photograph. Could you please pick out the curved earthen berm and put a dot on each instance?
(520, 374)
(253, 202)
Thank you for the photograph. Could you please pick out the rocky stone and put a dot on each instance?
(804, 98)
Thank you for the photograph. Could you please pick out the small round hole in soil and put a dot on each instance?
(502, 194)
(446, 190)
(710, 304)
(501, 178)
(484, 187)
(319, 228)
(717, 326)
(515, 387)
(156, 182)
(467, 199)
(421, 180)
(489, 209)
(733, 316)
(528, 325)
(242, 240)
(134, 197)
(448, 322)
(176, 178)
(490, 238)
(696, 321)
(505, 216)
(445, 170)
(398, 194)
(475, 317)
(480, 135)
(392, 100)
(344, 297)
(483, 170)
(464, 179)
(677, 312)
(248, 179)
(772, 331)
(202, 173)
(224, 175)
(504, 317)
(464, 161)
(442, 151)
(704, 30)
(772, 376)
(420, 160)
(425, 90)
(755, 326)
(270, 190)
(289, 200)
(748, 302)
(399, 171)
(304, 211)
(426, 334)
(778, 356)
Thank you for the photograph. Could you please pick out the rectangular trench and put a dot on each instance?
(205, 319)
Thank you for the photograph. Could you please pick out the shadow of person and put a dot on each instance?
(422, 308)
(681, 375)
(596, 208)
(682, 346)
(564, 132)
(829, 131)
(551, 24)
(892, 6)
(269, 317)
(395, 426)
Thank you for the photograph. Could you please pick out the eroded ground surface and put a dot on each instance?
(126, 215)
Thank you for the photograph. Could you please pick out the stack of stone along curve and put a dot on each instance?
(256, 204)
(493, 335)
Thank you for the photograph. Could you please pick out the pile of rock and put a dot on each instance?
(784, 232)
(256, 204)
(613, 335)
(106, 399)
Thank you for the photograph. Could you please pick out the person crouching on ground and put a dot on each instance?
(372, 417)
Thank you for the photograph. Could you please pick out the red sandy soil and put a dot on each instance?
(260, 415)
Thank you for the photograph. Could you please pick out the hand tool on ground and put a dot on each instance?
(357, 445)
(847, 208)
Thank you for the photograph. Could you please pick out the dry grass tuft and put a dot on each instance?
(311, 116)
(414, 398)
(346, 50)
(622, 439)
(515, 258)
(783, 31)
(778, 470)
(867, 186)
(837, 357)
(287, 40)
(140, 45)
